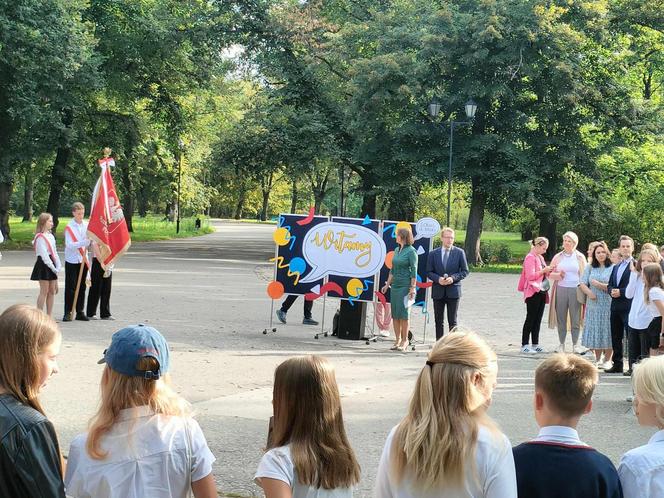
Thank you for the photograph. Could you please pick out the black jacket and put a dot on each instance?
(619, 304)
(30, 465)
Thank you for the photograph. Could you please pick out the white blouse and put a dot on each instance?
(495, 478)
(41, 248)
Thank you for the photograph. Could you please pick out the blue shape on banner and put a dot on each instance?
(367, 283)
(393, 227)
(419, 279)
(367, 220)
(297, 265)
(293, 238)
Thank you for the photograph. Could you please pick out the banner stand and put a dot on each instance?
(322, 321)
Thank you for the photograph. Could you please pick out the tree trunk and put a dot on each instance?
(264, 208)
(548, 224)
(128, 201)
(475, 220)
(239, 205)
(318, 200)
(58, 175)
(368, 197)
(28, 194)
(6, 188)
(293, 206)
(142, 202)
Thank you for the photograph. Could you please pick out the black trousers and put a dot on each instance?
(100, 289)
(535, 305)
(618, 330)
(71, 277)
(439, 314)
(634, 344)
(288, 302)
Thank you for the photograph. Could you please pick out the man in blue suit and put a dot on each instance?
(446, 268)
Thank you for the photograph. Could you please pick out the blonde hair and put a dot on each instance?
(307, 416)
(435, 442)
(41, 222)
(646, 252)
(648, 383)
(406, 236)
(119, 392)
(538, 241)
(572, 236)
(76, 206)
(652, 277)
(25, 332)
(652, 247)
(568, 382)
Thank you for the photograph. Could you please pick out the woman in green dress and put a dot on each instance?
(401, 280)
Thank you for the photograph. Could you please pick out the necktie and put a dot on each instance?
(445, 256)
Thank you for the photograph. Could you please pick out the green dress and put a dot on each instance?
(404, 268)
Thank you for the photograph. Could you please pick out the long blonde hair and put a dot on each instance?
(307, 416)
(436, 440)
(41, 222)
(648, 383)
(25, 332)
(119, 391)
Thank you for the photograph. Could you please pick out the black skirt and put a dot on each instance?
(42, 272)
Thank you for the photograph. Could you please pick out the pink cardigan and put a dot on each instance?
(531, 280)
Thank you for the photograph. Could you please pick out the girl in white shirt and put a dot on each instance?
(308, 455)
(640, 313)
(641, 470)
(446, 446)
(653, 294)
(143, 441)
(48, 265)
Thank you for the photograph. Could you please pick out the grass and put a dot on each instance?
(518, 247)
(151, 227)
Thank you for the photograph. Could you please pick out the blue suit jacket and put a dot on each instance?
(457, 268)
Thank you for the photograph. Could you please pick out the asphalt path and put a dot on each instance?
(207, 296)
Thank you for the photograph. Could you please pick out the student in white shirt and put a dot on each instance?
(640, 314)
(446, 445)
(308, 455)
(48, 265)
(142, 442)
(76, 243)
(641, 470)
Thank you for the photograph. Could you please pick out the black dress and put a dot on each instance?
(42, 272)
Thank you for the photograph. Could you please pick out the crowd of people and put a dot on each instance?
(607, 294)
(82, 269)
(143, 441)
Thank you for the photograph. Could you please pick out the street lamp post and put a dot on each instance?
(181, 148)
(434, 110)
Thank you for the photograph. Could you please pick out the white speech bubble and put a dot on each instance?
(341, 249)
(426, 228)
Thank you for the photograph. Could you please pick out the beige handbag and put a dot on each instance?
(580, 295)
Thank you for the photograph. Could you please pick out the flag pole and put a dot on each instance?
(78, 288)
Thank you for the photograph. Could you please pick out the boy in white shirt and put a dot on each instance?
(76, 243)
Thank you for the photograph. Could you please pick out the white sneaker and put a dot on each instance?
(607, 365)
(580, 349)
(527, 350)
(560, 348)
(384, 333)
(630, 399)
(538, 349)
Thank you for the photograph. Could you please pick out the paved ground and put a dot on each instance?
(207, 295)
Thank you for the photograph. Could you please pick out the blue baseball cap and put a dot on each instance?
(133, 343)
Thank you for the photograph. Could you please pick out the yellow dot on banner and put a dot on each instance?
(354, 287)
(404, 224)
(281, 236)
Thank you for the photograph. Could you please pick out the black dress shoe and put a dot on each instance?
(615, 369)
(66, 318)
(82, 317)
(628, 373)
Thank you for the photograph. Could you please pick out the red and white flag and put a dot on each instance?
(107, 225)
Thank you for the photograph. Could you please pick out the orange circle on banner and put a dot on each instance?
(404, 224)
(275, 289)
(388, 259)
(281, 236)
(354, 287)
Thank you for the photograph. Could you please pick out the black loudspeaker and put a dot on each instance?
(352, 318)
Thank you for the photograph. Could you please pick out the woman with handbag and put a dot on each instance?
(535, 286)
(565, 310)
(143, 441)
(597, 323)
